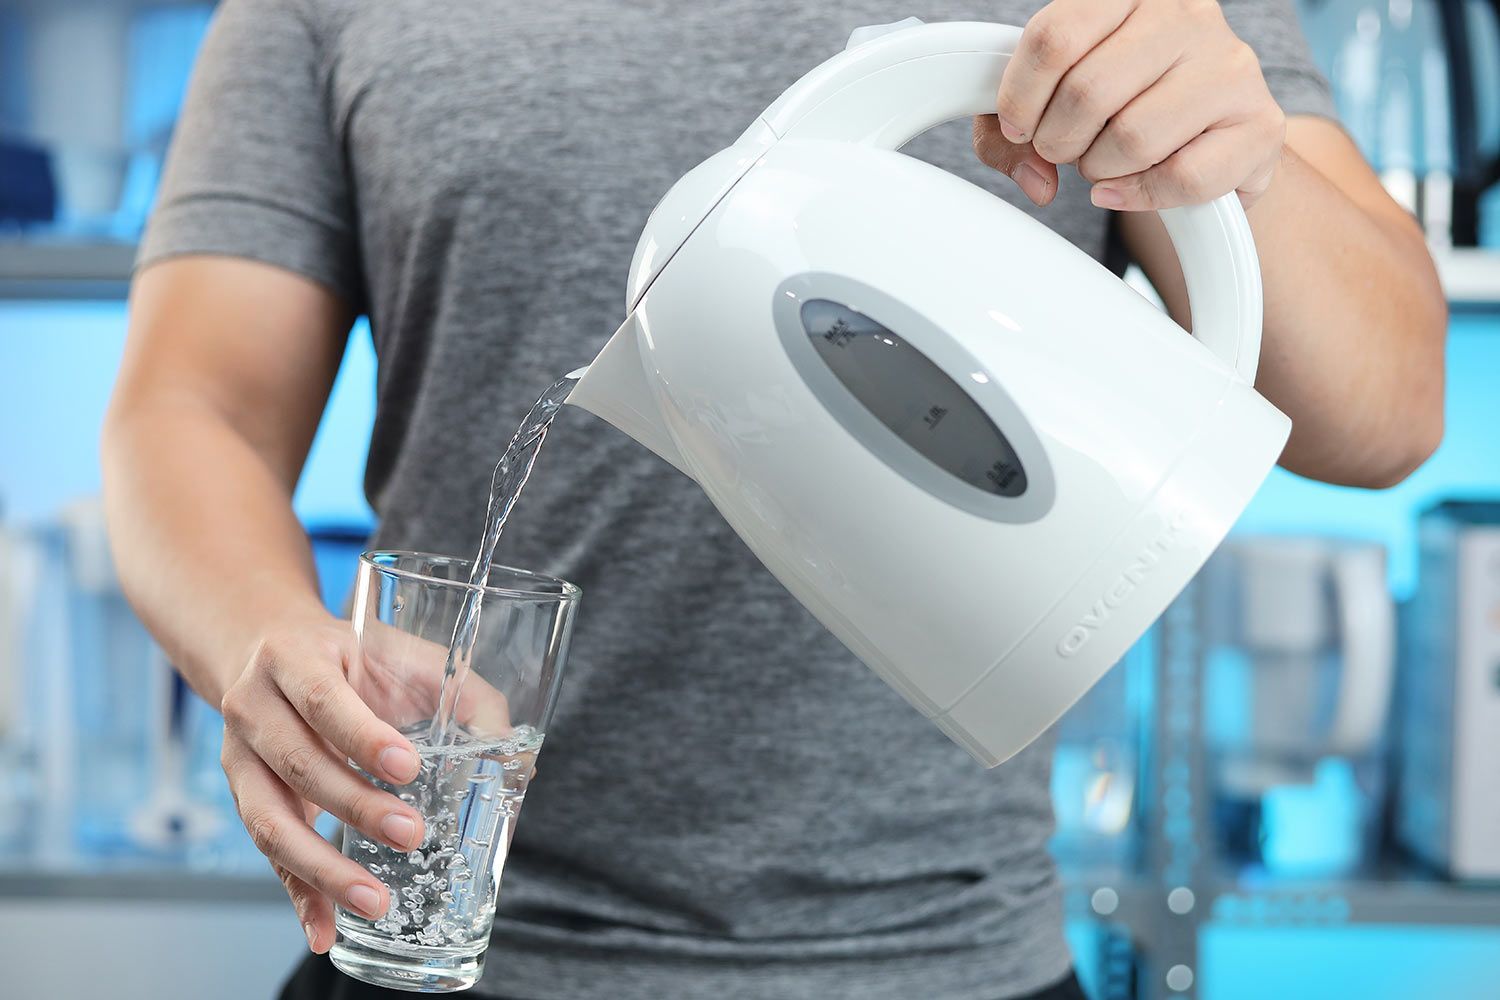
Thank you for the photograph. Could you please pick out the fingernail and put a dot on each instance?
(399, 829)
(366, 900)
(312, 936)
(1011, 132)
(1107, 197)
(399, 764)
(1031, 182)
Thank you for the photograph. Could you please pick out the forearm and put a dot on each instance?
(206, 544)
(1354, 326)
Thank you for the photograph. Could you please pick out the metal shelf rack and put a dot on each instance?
(1156, 914)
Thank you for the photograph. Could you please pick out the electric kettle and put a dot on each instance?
(974, 454)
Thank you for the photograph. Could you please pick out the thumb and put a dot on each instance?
(1036, 178)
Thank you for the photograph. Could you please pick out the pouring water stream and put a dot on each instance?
(509, 479)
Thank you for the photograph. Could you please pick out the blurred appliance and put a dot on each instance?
(110, 662)
(91, 90)
(28, 192)
(18, 751)
(172, 819)
(1448, 754)
(1417, 85)
(134, 718)
(1301, 638)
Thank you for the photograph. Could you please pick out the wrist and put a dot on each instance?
(292, 618)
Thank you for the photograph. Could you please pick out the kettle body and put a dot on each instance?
(973, 453)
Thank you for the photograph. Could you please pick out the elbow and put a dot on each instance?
(1418, 425)
(1413, 428)
(1419, 439)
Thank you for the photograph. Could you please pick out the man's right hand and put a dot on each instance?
(292, 721)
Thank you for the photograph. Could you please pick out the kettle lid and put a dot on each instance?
(688, 203)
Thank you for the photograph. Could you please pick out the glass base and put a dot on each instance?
(436, 970)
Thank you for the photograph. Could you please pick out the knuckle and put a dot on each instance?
(1048, 40)
(325, 877)
(1242, 59)
(366, 809)
(233, 706)
(1201, 10)
(1050, 146)
(265, 832)
(295, 761)
(1275, 124)
(320, 699)
(1187, 178)
(1132, 139)
(229, 758)
(265, 657)
(1079, 93)
(294, 885)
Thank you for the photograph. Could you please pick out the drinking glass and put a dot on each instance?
(469, 791)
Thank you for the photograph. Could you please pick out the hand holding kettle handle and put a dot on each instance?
(869, 95)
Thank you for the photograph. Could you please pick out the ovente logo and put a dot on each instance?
(1124, 585)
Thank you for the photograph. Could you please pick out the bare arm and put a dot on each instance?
(1355, 319)
(226, 371)
(228, 366)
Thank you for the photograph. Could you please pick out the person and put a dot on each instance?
(731, 804)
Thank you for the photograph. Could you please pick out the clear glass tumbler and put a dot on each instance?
(406, 604)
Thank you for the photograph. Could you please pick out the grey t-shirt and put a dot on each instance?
(729, 803)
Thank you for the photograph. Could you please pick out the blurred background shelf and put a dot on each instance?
(35, 270)
(1396, 896)
(153, 884)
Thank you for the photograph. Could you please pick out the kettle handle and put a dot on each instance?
(868, 94)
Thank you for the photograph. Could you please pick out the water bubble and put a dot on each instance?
(479, 778)
(479, 843)
(446, 897)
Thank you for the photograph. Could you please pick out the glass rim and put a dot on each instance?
(565, 593)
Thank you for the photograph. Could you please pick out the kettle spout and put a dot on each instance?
(614, 387)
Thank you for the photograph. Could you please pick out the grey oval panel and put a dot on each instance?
(913, 397)
(908, 392)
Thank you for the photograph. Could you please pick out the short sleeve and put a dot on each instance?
(254, 168)
(1272, 29)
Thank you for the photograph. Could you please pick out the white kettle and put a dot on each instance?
(980, 459)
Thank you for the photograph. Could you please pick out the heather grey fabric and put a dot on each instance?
(729, 803)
